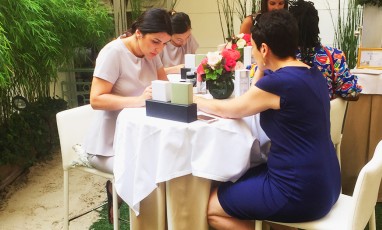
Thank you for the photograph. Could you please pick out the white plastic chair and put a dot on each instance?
(351, 212)
(72, 127)
(337, 115)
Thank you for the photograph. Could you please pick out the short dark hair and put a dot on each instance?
(307, 19)
(278, 29)
(154, 20)
(264, 5)
(180, 22)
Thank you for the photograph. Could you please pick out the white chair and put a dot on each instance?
(337, 115)
(72, 127)
(351, 212)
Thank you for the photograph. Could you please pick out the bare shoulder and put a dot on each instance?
(246, 25)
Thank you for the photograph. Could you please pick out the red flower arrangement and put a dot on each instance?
(217, 64)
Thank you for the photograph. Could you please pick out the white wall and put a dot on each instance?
(207, 30)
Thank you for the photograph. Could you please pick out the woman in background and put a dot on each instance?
(266, 6)
(330, 61)
(182, 42)
(122, 79)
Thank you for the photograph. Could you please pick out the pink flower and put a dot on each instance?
(216, 64)
(229, 64)
(247, 38)
(231, 54)
(200, 69)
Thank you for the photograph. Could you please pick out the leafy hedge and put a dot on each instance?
(31, 133)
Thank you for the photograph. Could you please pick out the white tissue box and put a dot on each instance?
(161, 90)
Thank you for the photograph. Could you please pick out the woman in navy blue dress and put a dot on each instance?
(301, 180)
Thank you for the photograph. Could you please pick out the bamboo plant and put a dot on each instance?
(348, 22)
(228, 8)
(36, 38)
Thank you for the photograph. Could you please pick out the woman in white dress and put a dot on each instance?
(122, 78)
(182, 42)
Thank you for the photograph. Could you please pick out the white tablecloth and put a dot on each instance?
(370, 80)
(150, 150)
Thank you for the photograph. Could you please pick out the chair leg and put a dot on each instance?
(66, 200)
(338, 151)
(258, 225)
(115, 208)
(372, 223)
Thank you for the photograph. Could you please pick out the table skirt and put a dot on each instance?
(361, 133)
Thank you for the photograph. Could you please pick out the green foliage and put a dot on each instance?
(370, 2)
(136, 9)
(5, 56)
(241, 8)
(37, 37)
(44, 35)
(256, 6)
(103, 223)
(227, 9)
(348, 22)
(30, 134)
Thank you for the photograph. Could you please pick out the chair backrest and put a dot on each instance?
(365, 193)
(73, 125)
(337, 115)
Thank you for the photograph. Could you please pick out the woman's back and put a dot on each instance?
(302, 160)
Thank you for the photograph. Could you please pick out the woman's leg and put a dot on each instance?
(102, 163)
(105, 164)
(219, 219)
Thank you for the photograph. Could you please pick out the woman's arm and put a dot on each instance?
(345, 84)
(102, 98)
(162, 74)
(254, 101)
(174, 69)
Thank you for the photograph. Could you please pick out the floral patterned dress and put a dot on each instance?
(341, 83)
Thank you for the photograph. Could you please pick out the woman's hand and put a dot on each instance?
(147, 93)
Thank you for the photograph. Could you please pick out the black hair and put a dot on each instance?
(264, 5)
(278, 29)
(154, 20)
(180, 22)
(307, 20)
